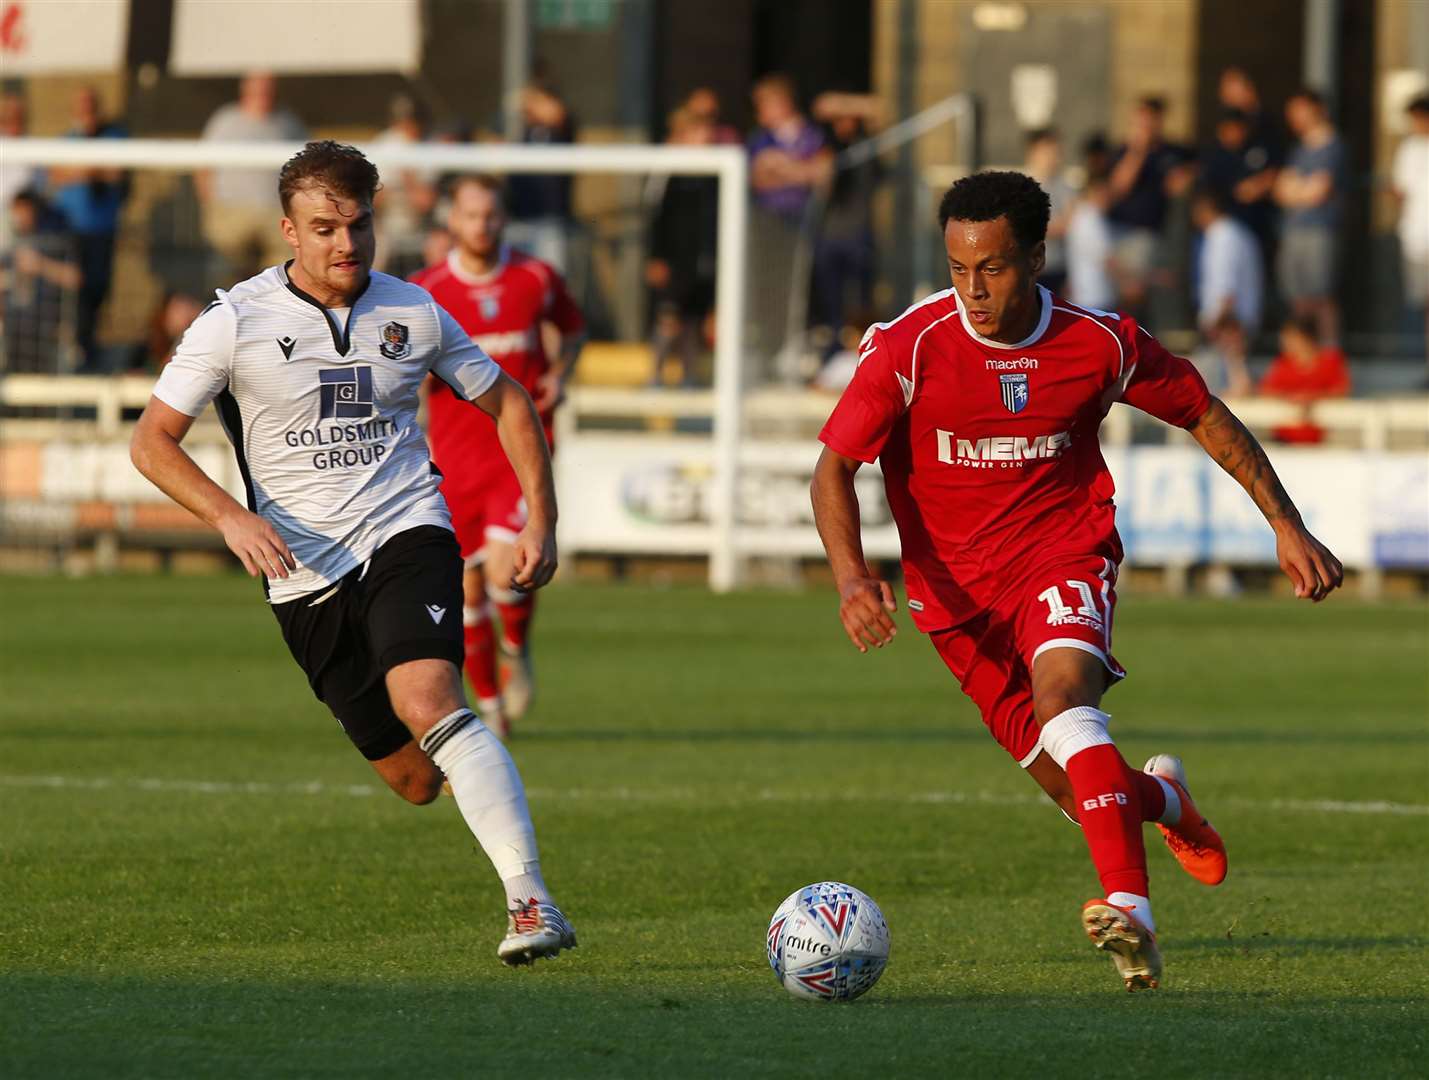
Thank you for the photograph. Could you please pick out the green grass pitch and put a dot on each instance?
(199, 877)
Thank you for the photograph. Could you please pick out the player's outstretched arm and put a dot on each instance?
(866, 603)
(155, 451)
(519, 429)
(1307, 562)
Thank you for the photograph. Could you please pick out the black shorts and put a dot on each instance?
(403, 604)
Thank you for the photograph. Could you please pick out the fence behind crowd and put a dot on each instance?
(638, 471)
(720, 474)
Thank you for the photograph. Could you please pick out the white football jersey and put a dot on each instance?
(324, 421)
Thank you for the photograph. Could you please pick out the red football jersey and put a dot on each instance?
(502, 311)
(989, 451)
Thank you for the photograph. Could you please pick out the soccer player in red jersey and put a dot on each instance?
(506, 301)
(981, 404)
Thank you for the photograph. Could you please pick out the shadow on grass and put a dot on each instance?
(755, 735)
(1267, 942)
(1287, 736)
(547, 1022)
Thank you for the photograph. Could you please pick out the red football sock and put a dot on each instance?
(480, 638)
(516, 621)
(1153, 795)
(1109, 804)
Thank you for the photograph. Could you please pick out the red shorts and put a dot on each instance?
(491, 509)
(484, 495)
(1066, 605)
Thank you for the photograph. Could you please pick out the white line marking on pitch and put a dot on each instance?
(666, 795)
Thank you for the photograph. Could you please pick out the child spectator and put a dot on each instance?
(1304, 372)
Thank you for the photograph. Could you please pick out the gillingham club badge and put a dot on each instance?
(395, 342)
(1014, 391)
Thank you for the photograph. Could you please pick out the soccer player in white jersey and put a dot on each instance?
(314, 368)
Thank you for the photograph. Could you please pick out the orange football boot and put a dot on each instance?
(1193, 840)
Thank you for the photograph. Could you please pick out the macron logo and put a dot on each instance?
(436, 613)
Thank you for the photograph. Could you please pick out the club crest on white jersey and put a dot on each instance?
(322, 411)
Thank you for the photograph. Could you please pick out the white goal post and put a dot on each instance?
(728, 164)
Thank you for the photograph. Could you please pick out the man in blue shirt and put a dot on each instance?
(1310, 191)
(1243, 168)
(1145, 173)
(91, 200)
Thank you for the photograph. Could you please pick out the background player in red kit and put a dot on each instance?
(508, 302)
(982, 405)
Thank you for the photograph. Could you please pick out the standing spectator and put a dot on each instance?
(681, 268)
(238, 203)
(540, 203)
(1311, 189)
(1043, 162)
(38, 282)
(1229, 285)
(1145, 173)
(1096, 157)
(1306, 371)
(1237, 90)
(788, 155)
(843, 252)
(14, 179)
(703, 105)
(404, 208)
(1411, 189)
(1244, 172)
(1090, 281)
(788, 158)
(90, 201)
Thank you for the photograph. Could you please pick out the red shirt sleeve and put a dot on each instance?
(1161, 383)
(561, 309)
(870, 405)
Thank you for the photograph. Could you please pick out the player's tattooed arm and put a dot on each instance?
(1232, 446)
(1307, 562)
(866, 603)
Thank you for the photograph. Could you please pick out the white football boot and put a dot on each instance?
(1117, 931)
(518, 681)
(534, 931)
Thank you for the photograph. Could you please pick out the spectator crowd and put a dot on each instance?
(1264, 199)
(1266, 205)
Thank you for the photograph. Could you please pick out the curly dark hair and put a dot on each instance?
(333, 166)
(986, 196)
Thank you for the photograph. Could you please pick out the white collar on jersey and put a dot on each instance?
(466, 277)
(1037, 331)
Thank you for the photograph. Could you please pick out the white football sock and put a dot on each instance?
(1172, 814)
(526, 887)
(491, 798)
(1140, 907)
(1069, 733)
